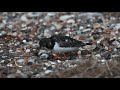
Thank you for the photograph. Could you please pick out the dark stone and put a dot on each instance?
(85, 52)
(107, 56)
(50, 68)
(6, 61)
(29, 63)
(100, 20)
(35, 52)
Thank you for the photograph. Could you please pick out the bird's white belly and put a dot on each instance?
(57, 48)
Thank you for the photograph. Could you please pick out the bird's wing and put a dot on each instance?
(65, 41)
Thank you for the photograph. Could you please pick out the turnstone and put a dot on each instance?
(61, 44)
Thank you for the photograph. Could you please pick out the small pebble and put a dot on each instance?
(14, 34)
(48, 71)
(2, 33)
(44, 68)
(10, 65)
(98, 55)
(2, 25)
(24, 41)
(44, 56)
(71, 21)
(20, 60)
(53, 63)
(12, 76)
(27, 51)
(59, 61)
(18, 71)
(1, 51)
(23, 75)
(24, 18)
(4, 57)
(98, 42)
(47, 64)
(65, 17)
(49, 68)
(2, 61)
(106, 48)
(20, 36)
(35, 52)
(81, 28)
(37, 75)
(31, 61)
(10, 50)
(103, 60)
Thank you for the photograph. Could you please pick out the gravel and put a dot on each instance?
(21, 57)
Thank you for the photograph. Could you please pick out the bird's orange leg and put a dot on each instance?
(65, 56)
(57, 55)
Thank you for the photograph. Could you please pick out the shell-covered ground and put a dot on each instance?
(21, 57)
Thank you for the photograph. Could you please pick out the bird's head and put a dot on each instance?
(46, 42)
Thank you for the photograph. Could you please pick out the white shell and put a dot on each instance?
(27, 51)
(14, 34)
(116, 43)
(1, 51)
(65, 17)
(20, 60)
(9, 65)
(98, 42)
(98, 55)
(2, 61)
(48, 71)
(24, 18)
(24, 41)
(81, 27)
(71, 21)
(53, 63)
(106, 48)
(47, 64)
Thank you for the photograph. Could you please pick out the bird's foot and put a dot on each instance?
(61, 57)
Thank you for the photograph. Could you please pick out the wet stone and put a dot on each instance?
(44, 56)
(50, 68)
(2, 33)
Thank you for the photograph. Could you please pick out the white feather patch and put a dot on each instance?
(57, 48)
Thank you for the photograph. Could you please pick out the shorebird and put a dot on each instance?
(61, 44)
